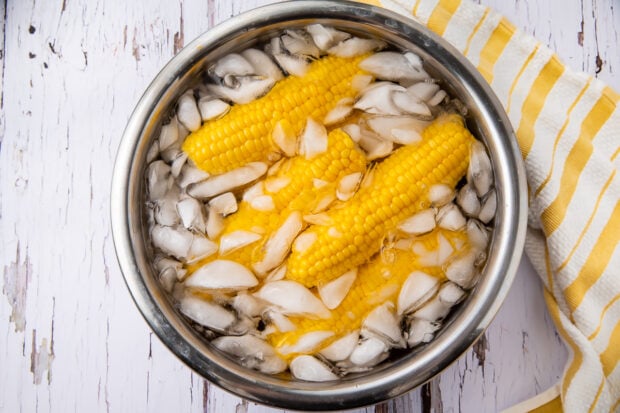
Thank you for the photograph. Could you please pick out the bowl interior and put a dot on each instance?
(406, 369)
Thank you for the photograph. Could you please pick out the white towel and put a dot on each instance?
(568, 128)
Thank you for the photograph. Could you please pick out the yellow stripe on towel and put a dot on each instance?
(440, 17)
(493, 49)
(559, 135)
(597, 261)
(599, 198)
(576, 160)
(535, 101)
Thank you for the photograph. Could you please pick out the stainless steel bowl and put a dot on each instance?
(403, 372)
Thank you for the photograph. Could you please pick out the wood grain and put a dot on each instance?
(71, 337)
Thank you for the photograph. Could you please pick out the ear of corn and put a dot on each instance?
(300, 194)
(341, 158)
(244, 134)
(399, 189)
(377, 282)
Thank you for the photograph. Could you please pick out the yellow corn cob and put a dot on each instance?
(399, 189)
(377, 282)
(341, 158)
(244, 134)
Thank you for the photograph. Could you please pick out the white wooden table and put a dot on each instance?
(71, 338)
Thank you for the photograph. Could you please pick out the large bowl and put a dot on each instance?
(401, 373)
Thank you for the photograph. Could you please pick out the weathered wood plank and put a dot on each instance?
(71, 72)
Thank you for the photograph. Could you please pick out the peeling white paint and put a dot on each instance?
(71, 338)
(15, 288)
(41, 360)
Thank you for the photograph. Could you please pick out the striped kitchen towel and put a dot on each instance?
(568, 129)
